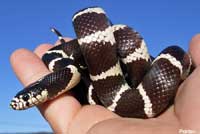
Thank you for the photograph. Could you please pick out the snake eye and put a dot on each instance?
(25, 97)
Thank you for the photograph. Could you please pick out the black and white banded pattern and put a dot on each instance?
(114, 63)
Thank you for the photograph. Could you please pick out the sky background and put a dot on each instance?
(26, 23)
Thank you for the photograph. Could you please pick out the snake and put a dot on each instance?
(109, 65)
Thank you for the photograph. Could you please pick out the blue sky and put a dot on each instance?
(26, 23)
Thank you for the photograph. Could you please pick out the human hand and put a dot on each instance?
(67, 116)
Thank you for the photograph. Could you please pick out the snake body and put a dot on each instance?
(114, 64)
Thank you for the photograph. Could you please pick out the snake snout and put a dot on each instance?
(14, 104)
(27, 98)
(20, 102)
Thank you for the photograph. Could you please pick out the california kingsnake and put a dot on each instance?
(114, 63)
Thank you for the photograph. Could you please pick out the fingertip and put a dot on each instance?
(194, 49)
(196, 37)
(16, 58)
(27, 66)
(17, 53)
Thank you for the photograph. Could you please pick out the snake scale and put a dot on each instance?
(110, 66)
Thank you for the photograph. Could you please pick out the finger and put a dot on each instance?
(87, 117)
(194, 49)
(23, 61)
(50, 108)
(29, 68)
(187, 102)
(187, 98)
(41, 49)
(54, 106)
(60, 112)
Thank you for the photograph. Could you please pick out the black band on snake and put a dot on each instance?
(114, 64)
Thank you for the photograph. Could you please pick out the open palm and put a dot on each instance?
(67, 116)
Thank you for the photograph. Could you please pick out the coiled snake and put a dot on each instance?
(114, 64)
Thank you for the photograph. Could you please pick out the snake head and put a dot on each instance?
(28, 97)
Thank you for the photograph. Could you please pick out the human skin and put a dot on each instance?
(65, 114)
